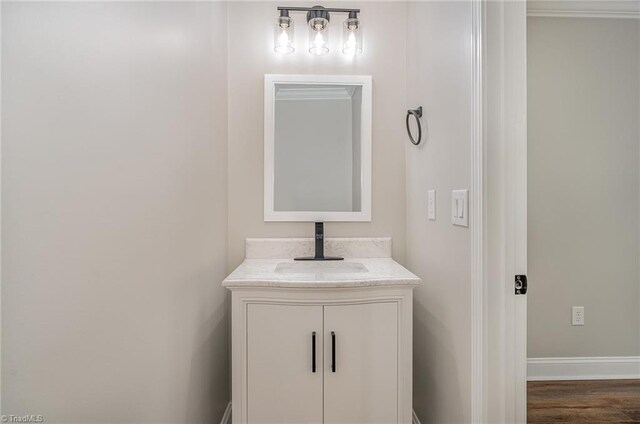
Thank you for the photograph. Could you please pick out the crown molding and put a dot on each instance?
(617, 9)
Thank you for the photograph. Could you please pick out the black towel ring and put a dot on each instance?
(417, 113)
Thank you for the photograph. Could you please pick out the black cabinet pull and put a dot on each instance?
(333, 351)
(313, 352)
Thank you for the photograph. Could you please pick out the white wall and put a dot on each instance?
(583, 184)
(251, 56)
(114, 211)
(439, 79)
(114, 184)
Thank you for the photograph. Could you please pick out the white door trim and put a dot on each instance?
(505, 190)
(478, 386)
(1, 5)
(515, 187)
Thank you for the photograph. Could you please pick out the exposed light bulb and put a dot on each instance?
(318, 36)
(283, 44)
(350, 45)
(352, 37)
(318, 44)
(283, 40)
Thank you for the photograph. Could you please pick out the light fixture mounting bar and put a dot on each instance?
(310, 9)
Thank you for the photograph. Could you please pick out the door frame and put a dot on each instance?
(501, 363)
(477, 214)
(501, 168)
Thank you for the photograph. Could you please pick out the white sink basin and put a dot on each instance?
(323, 267)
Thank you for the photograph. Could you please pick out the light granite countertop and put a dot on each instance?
(351, 272)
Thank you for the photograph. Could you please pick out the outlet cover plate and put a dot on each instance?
(577, 315)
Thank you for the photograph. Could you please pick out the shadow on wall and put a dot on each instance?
(209, 379)
(428, 395)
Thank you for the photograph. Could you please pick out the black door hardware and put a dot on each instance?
(521, 284)
(333, 352)
(313, 352)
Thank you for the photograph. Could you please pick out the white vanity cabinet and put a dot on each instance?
(281, 384)
(321, 346)
(350, 377)
(363, 386)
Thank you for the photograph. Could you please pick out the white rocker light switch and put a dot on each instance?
(460, 208)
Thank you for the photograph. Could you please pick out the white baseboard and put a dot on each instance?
(226, 418)
(587, 368)
(415, 419)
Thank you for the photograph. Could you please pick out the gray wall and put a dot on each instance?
(583, 184)
(439, 79)
(251, 56)
(114, 211)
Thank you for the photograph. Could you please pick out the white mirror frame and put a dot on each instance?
(270, 82)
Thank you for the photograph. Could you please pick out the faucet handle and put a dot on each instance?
(319, 245)
(319, 230)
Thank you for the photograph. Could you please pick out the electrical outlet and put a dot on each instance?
(577, 315)
(431, 213)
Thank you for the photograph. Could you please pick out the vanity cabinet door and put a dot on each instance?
(361, 385)
(281, 384)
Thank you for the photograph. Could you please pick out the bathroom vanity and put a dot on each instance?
(321, 341)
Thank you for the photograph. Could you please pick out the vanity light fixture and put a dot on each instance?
(318, 18)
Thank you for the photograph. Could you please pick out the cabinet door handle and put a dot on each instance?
(333, 351)
(313, 352)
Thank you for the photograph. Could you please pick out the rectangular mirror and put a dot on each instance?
(317, 131)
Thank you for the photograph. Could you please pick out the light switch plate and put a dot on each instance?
(431, 213)
(460, 208)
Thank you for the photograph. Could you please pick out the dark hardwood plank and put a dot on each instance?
(583, 402)
(633, 414)
(574, 401)
(571, 414)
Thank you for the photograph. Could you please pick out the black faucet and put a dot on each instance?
(319, 256)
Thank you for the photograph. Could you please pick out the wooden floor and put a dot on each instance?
(584, 402)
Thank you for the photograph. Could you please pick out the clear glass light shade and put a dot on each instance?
(318, 36)
(352, 37)
(283, 37)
